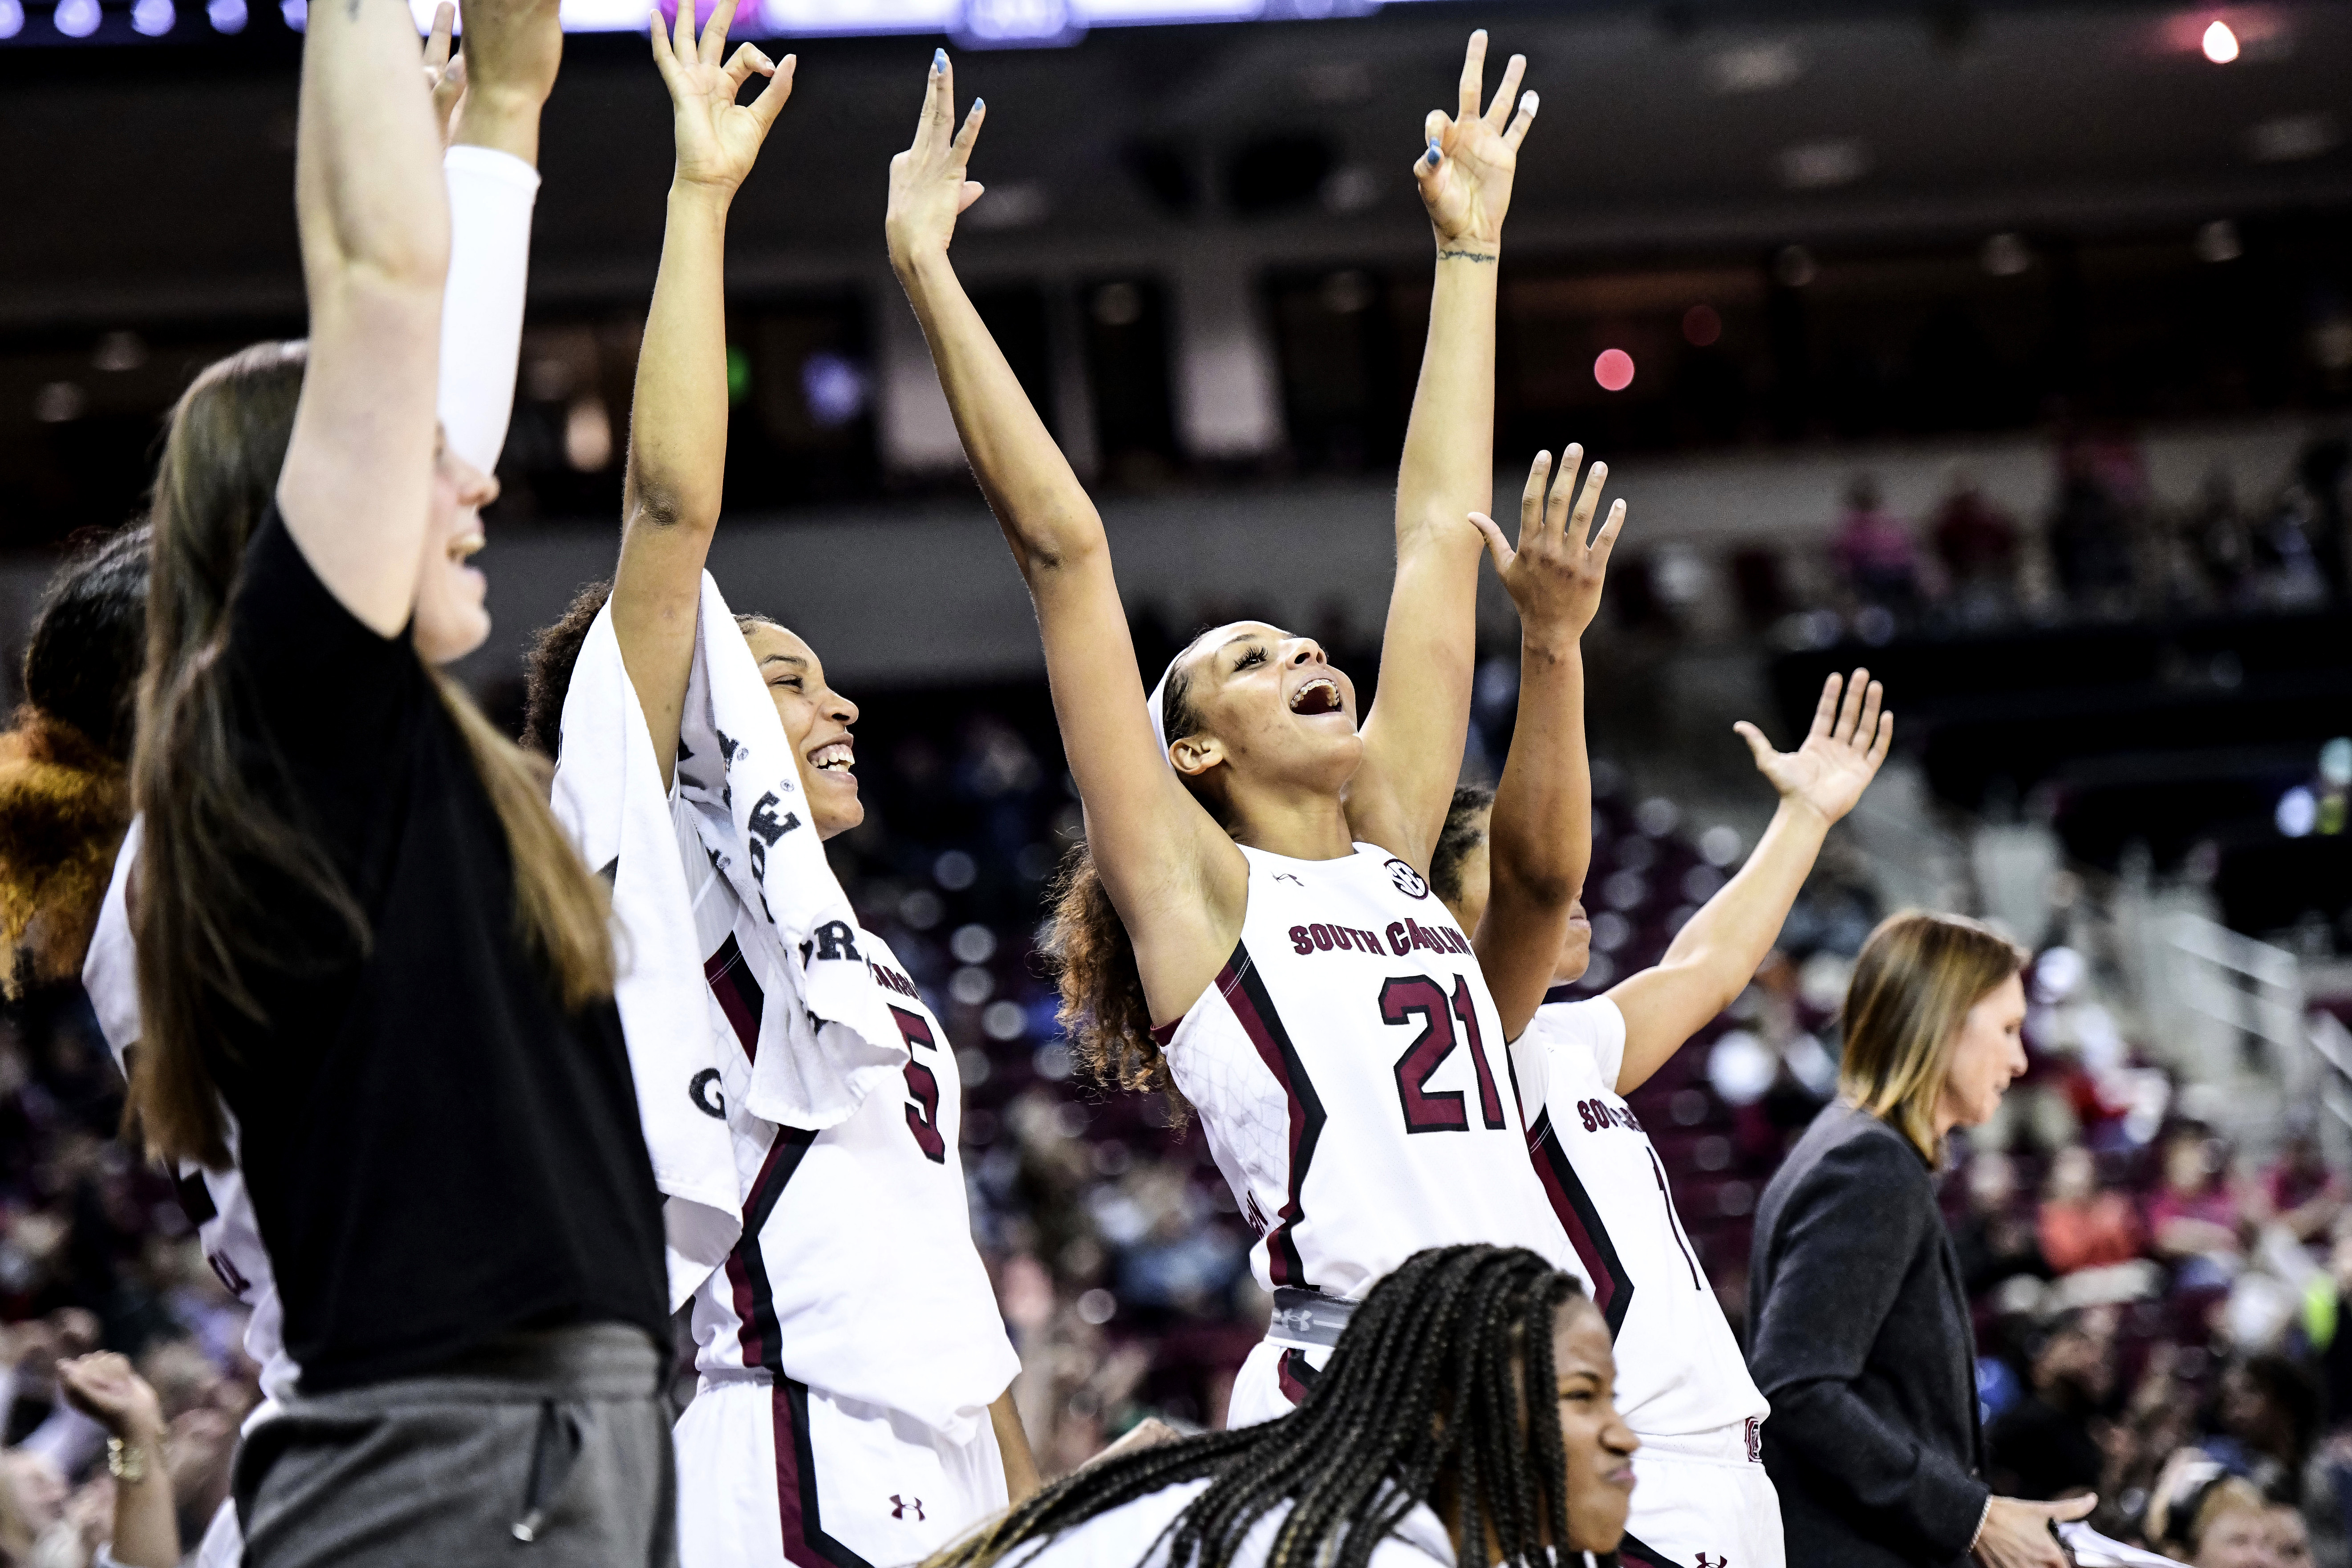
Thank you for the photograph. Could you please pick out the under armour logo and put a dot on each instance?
(899, 1505)
(1755, 1441)
(1706, 1561)
(1409, 882)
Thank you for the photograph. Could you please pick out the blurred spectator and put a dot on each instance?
(1873, 551)
(2268, 1419)
(2296, 1189)
(2290, 1538)
(2102, 493)
(2217, 536)
(2206, 1517)
(1994, 1241)
(2047, 1444)
(2080, 1225)
(2192, 1218)
(1977, 543)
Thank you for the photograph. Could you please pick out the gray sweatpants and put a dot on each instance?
(543, 1450)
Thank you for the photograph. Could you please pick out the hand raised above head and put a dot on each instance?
(1554, 575)
(928, 188)
(512, 51)
(1840, 754)
(1470, 157)
(444, 73)
(718, 139)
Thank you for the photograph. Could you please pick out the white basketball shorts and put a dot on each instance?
(1703, 1502)
(770, 1474)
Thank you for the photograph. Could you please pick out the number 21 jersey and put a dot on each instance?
(1350, 1075)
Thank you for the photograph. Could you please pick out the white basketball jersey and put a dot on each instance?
(1349, 1072)
(216, 1201)
(1679, 1371)
(856, 1273)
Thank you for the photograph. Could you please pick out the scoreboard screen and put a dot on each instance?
(972, 23)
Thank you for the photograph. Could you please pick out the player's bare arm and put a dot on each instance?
(1540, 836)
(1714, 956)
(678, 424)
(1178, 881)
(1421, 714)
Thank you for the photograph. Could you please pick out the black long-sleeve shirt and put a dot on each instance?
(1860, 1337)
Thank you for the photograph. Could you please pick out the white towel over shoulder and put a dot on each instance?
(826, 1039)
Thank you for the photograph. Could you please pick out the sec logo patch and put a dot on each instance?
(1409, 882)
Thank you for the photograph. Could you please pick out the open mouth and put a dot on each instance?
(1320, 695)
(465, 545)
(834, 757)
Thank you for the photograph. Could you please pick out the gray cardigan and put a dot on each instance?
(1859, 1335)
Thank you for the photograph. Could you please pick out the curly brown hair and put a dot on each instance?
(1092, 959)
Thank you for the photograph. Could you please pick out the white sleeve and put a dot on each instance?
(490, 198)
(1605, 1029)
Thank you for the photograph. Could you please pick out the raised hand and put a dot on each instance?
(718, 138)
(1554, 575)
(104, 1387)
(513, 49)
(1466, 169)
(445, 74)
(928, 188)
(1841, 753)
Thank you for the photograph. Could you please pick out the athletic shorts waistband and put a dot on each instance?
(1308, 1320)
(1738, 1444)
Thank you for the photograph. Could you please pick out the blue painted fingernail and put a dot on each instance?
(978, 105)
(1434, 154)
(938, 60)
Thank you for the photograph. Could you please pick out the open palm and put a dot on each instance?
(1555, 571)
(718, 139)
(1841, 753)
(1475, 152)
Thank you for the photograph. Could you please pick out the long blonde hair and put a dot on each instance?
(226, 872)
(1912, 985)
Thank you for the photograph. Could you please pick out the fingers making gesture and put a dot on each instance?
(1465, 170)
(1840, 755)
(1554, 574)
(444, 72)
(718, 139)
(928, 188)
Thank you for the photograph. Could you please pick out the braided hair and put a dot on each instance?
(1443, 1391)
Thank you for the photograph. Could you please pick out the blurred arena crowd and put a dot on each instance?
(2157, 1314)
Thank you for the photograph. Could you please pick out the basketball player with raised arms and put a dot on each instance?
(1254, 875)
(853, 1407)
(511, 52)
(1683, 1383)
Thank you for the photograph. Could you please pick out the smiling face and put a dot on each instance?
(451, 618)
(817, 724)
(1989, 1052)
(1267, 707)
(1598, 1444)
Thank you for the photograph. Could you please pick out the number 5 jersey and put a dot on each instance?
(1351, 1076)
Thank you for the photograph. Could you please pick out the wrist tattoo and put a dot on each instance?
(1469, 256)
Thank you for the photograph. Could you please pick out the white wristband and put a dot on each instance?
(490, 198)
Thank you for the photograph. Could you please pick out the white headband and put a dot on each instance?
(1156, 706)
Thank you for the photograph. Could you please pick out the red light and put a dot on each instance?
(1613, 370)
(1701, 325)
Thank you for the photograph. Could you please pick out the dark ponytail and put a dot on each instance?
(1443, 1391)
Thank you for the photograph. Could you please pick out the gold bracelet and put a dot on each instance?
(126, 1462)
